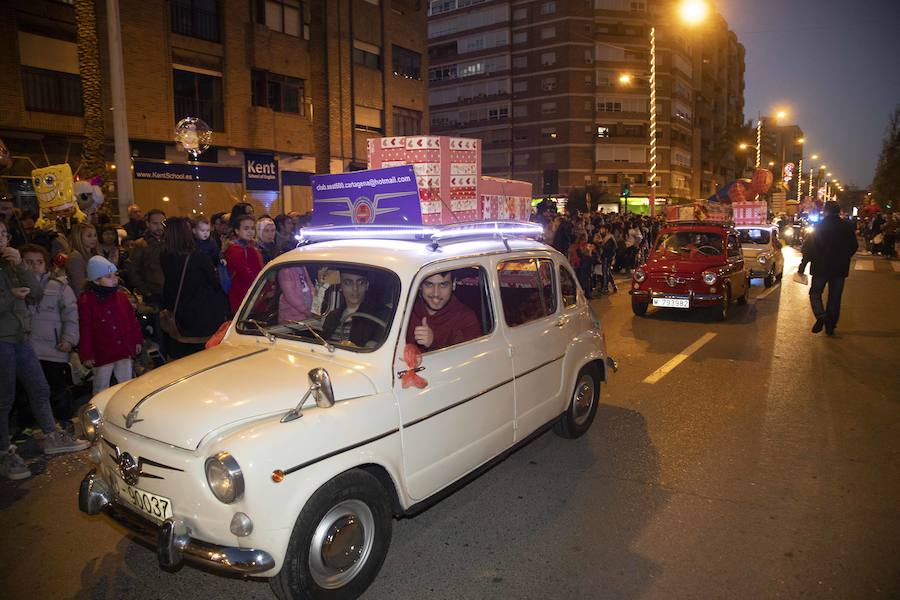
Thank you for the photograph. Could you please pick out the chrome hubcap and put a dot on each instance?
(583, 400)
(341, 544)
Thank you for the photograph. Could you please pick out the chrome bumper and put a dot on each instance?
(172, 539)
(691, 297)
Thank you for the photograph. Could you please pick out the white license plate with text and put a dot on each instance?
(155, 507)
(672, 302)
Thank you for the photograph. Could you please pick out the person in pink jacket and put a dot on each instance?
(297, 291)
(110, 332)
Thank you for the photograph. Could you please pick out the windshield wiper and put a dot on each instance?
(326, 343)
(262, 329)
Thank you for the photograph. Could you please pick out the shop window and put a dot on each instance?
(199, 95)
(406, 63)
(278, 92)
(52, 91)
(526, 290)
(285, 16)
(196, 18)
(407, 122)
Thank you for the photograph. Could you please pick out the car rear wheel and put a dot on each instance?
(339, 540)
(583, 405)
(720, 312)
(639, 308)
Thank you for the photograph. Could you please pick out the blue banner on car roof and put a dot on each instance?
(383, 196)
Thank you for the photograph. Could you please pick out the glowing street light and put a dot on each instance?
(801, 140)
(625, 79)
(743, 146)
(780, 115)
(693, 11)
(815, 157)
(771, 163)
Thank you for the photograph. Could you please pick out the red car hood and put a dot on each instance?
(676, 264)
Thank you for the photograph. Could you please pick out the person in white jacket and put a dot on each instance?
(54, 329)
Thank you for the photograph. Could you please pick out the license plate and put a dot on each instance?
(672, 302)
(155, 507)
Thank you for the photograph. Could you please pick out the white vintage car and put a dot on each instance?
(285, 451)
(761, 249)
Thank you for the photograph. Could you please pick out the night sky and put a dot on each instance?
(834, 65)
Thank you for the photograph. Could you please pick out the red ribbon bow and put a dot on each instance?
(413, 357)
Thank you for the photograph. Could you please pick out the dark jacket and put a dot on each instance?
(145, 271)
(203, 306)
(362, 330)
(834, 244)
(15, 319)
(135, 229)
(210, 248)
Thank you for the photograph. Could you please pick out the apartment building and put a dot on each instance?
(540, 83)
(296, 86)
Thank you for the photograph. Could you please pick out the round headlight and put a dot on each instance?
(762, 258)
(90, 422)
(639, 275)
(709, 278)
(789, 232)
(224, 477)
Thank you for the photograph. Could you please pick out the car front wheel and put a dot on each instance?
(720, 312)
(339, 540)
(639, 308)
(583, 405)
(769, 280)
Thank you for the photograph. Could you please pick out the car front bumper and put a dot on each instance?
(172, 539)
(694, 300)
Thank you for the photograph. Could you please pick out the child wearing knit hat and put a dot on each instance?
(110, 331)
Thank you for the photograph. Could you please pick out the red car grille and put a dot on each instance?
(669, 279)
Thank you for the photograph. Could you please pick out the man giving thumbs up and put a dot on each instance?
(439, 319)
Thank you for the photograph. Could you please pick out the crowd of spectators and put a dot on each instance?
(79, 304)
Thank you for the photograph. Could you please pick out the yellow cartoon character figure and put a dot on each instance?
(55, 191)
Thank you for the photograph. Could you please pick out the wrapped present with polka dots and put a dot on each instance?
(505, 199)
(448, 171)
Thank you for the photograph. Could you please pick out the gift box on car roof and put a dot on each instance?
(504, 199)
(447, 173)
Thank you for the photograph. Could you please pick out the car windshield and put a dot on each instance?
(754, 236)
(689, 243)
(337, 305)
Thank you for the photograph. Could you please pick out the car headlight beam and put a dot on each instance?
(226, 481)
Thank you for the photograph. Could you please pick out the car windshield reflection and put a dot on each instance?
(754, 236)
(336, 305)
(689, 244)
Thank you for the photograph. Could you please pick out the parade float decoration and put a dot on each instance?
(55, 190)
(89, 195)
(193, 136)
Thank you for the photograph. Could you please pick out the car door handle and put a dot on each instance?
(562, 322)
(405, 371)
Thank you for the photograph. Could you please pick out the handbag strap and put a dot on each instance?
(180, 283)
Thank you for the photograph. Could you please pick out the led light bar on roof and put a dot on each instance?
(435, 235)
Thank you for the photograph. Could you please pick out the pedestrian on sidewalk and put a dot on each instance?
(834, 245)
(18, 361)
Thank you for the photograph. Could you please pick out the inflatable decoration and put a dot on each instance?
(413, 358)
(88, 195)
(739, 191)
(762, 181)
(5, 157)
(55, 192)
(193, 136)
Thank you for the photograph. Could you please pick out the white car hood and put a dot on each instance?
(754, 250)
(182, 401)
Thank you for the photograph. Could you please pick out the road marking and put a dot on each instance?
(864, 265)
(768, 291)
(895, 265)
(678, 359)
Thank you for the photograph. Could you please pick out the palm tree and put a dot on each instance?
(93, 160)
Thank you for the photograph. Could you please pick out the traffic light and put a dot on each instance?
(626, 189)
(551, 182)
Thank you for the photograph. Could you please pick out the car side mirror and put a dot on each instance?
(320, 384)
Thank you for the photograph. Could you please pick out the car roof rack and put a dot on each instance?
(436, 236)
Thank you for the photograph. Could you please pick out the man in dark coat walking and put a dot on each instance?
(834, 245)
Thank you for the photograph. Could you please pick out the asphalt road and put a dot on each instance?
(766, 464)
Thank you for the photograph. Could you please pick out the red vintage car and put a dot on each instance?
(692, 265)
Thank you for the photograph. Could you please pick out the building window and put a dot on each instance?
(520, 110)
(602, 132)
(498, 113)
(285, 16)
(278, 92)
(368, 119)
(548, 108)
(549, 133)
(196, 18)
(520, 37)
(548, 32)
(407, 122)
(366, 55)
(520, 14)
(199, 95)
(548, 84)
(520, 62)
(406, 63)
(548, 59)
(52, 91)
(520, 85)
(548, 8)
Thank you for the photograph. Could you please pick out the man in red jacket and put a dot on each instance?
(439, 319)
